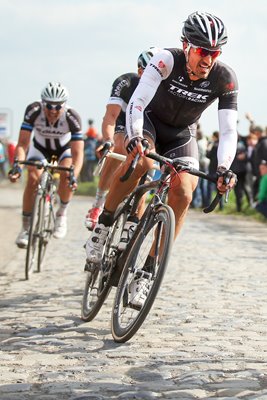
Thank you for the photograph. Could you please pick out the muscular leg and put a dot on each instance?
(119, 190)
(30, 189)
(111, 164)
(64, 191)
(180, 197)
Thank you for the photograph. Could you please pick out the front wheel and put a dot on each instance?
(34, 236)
(142, 274)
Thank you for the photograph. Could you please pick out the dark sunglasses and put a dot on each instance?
(205, 52)
(50, 106)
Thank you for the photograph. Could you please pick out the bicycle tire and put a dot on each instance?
(46, 226)
(126, 320)
(34, 235)
(98, 281)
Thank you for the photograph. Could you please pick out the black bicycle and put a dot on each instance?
(146, 256)
(43, 216)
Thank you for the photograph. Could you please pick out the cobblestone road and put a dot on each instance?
(205, 338)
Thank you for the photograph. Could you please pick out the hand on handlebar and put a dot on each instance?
(15, 172)
(226, 181)
(138, 145)
(104, 147)
(73, 182)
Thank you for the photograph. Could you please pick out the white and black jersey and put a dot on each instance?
(52, 138)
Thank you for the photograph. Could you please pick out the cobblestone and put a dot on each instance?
(205, 337)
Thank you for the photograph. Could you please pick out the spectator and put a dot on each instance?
(200, 194)
(251, 141)
(260, 153)
(261, 206)
(239, 167)
(11, 148)
(2, 160)
(90, 159)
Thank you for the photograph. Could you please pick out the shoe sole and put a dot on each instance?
(22, 246)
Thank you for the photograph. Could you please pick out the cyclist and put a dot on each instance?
(57, 132)
(113, 129)
(176, 87)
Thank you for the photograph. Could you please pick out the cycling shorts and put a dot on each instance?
(37, 152)
(170, 141)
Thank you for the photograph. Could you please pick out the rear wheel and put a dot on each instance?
(99, 277)
(34, 236)
(145, 264)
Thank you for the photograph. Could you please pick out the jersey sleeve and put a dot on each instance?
(158, 68)
(75, 124)
(228, 90)
(31, 113)
(121, 89)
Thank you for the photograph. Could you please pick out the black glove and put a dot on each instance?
(134, 142)
(16, 169)
(227, 174)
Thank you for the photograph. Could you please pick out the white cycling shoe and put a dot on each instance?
(138, 291)
(94, 246)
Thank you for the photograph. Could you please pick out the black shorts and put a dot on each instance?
(120, 125)
(170, 141)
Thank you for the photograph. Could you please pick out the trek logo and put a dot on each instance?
(185, 94)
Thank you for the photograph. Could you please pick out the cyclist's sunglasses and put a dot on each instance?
(57, 107)
(205, 52)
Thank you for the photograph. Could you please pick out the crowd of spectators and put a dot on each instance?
(250, 166)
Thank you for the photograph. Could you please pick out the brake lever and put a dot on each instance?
(131, 168)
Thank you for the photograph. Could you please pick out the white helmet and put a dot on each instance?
(54, 92)
(145, 56)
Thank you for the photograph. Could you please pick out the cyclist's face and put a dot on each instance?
(200, 65)
(53, 110)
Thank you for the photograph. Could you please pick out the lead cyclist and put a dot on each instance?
(174, 90)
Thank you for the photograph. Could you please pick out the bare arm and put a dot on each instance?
(109, 121)
(77, 147)
(23, 144)
(21, 150)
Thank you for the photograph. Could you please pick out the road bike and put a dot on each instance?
(43, 215)
(146, 255)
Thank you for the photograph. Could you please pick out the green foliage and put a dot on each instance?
(247, 210)
(87, 188)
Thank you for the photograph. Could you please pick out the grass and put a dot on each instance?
(247, 211)
(87, 188)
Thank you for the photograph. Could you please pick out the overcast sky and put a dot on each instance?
(86, 44)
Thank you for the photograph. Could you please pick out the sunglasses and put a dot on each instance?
(205, 52)
(56, 107)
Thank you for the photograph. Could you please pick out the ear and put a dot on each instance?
(185, 45)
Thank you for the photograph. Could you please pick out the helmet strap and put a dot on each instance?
(187, 47)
